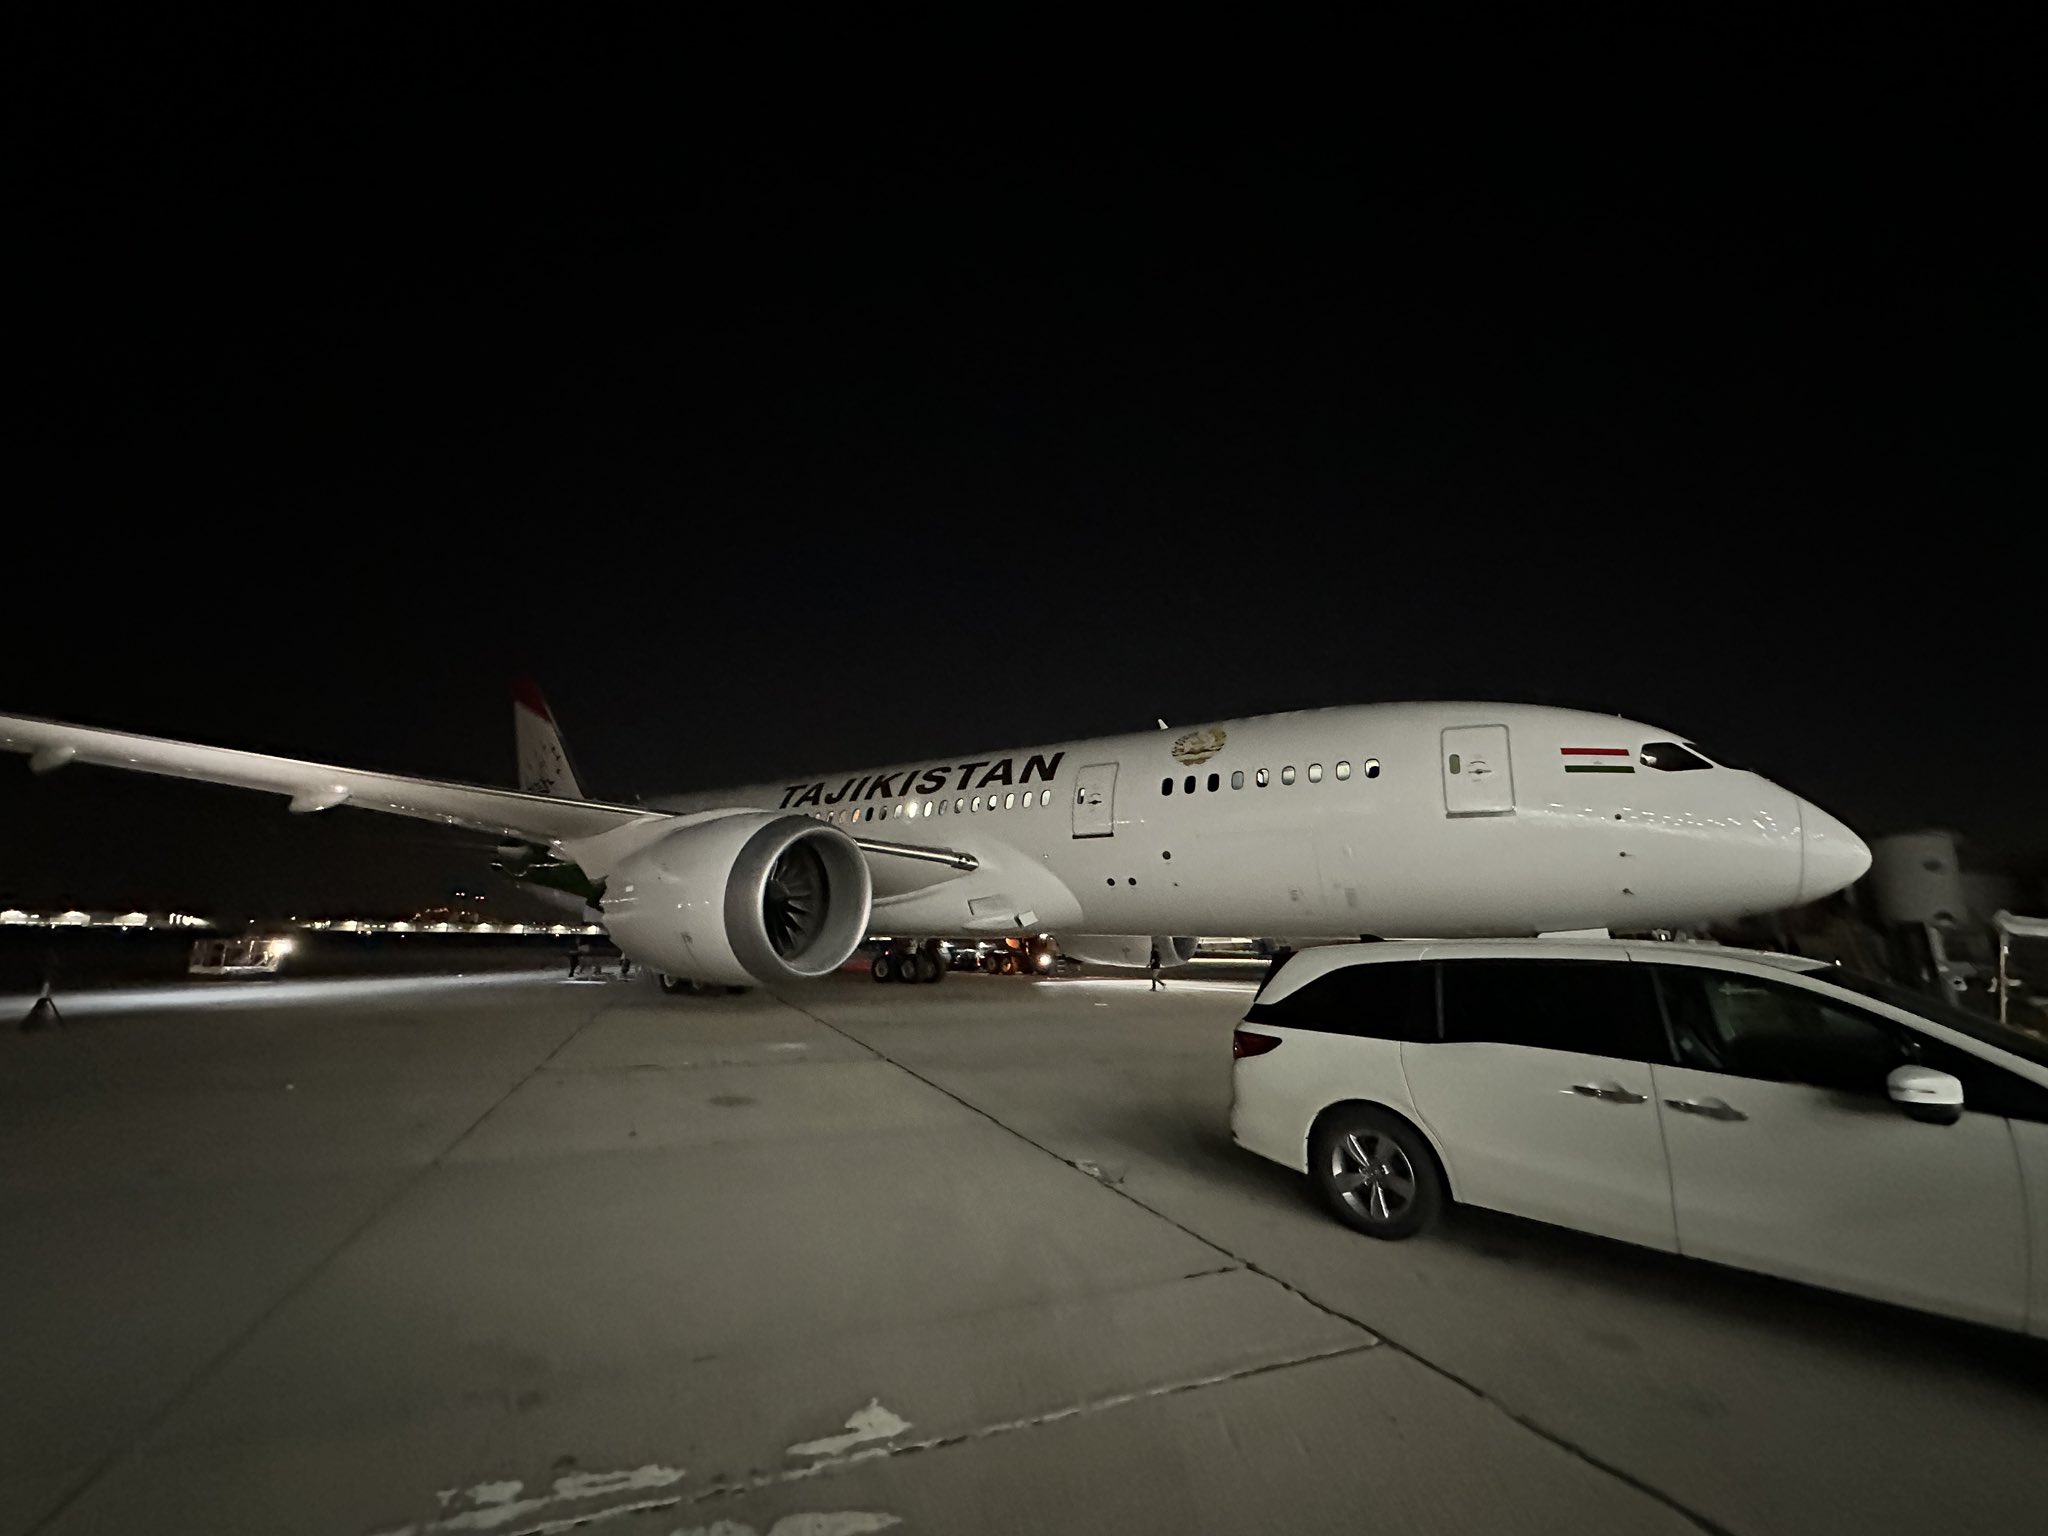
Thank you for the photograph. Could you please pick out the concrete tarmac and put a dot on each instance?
(520, 1255)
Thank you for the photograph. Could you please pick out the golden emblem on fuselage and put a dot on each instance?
(1199, 746)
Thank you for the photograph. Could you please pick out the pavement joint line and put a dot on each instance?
(1087, 1407)
(213, 1366)
(1569, 1447)
(563, 1523)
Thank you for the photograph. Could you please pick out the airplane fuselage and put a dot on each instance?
(1390, 819)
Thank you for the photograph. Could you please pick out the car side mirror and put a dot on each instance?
(1926, 1094)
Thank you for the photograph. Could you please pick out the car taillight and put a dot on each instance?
(1245, 1043)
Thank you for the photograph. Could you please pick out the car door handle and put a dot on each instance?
(1610, 1093)
(1713, 1109)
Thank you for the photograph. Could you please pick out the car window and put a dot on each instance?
(1387, 1000)
(1973, 1025)
(1723, 1021)
(1595, 1007)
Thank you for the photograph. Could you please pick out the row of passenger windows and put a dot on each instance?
(960, 805)
(1370, 769)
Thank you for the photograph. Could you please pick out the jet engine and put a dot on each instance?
(745, 899)
(1126, 949)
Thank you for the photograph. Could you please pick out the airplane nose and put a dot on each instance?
(1831, 856)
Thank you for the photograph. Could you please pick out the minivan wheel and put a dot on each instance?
(1376, 1172)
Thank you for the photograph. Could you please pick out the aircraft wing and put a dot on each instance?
(51, 744)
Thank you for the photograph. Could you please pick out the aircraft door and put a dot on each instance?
(1478, 780)
(1095, 801)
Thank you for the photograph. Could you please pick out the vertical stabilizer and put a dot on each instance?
(543, 760)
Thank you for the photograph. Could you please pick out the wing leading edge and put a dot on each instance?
(51, 744)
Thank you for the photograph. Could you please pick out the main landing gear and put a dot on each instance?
(682, 986)
(914, 965)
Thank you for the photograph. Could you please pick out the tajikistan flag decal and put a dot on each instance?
(1597, 759)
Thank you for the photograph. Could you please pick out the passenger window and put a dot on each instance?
(1188, 784)
(1593, 1007)
(1261, 778)
(1237, 779)
(1009, 802)
(975, 804)
(928, 807)
(1215, 782)
(1726, 1022)
(1166, 786)
(1382, 1000)
(958, 806)
(1671, 757)
(1315, 773)
(1343, 770)
(1045, 797)
(1287, 774)
(1372, 767)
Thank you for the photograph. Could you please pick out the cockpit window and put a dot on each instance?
(1672, 757)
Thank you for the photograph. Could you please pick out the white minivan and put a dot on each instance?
(1760, 1110)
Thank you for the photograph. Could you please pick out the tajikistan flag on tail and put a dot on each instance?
(1597, 759)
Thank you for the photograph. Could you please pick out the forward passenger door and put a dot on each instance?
(1539, 1093)
(1095, 801)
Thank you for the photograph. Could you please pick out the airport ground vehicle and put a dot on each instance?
(244, 955)
(930, 959)
(1764, 1111)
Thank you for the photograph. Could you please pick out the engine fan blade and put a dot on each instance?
(790, 900)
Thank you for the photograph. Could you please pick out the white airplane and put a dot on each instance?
(1388, 820)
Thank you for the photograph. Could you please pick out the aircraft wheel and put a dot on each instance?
(1009, 965)
(674, 986)
(993, 964)
(881, 967)
(906, 969)
(927, 968)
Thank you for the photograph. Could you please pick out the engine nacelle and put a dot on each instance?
(1126, 949)
(753, 898)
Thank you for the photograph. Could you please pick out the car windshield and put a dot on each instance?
(1975, 1025)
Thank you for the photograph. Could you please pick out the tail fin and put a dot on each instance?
(543, 760)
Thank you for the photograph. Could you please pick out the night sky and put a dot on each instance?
(358, 373)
